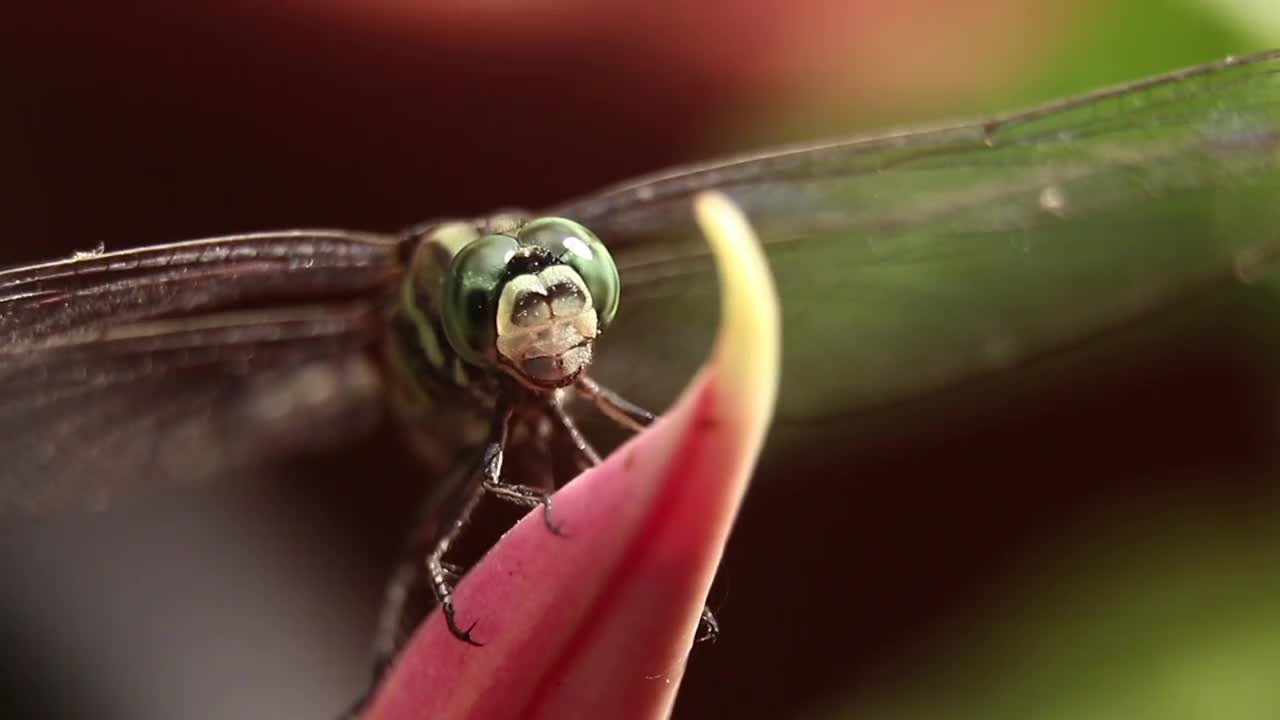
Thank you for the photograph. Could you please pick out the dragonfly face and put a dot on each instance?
(492, 299)
(529, 301)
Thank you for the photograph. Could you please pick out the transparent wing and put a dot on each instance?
(911, 260)
(185, 362)
(91, 292)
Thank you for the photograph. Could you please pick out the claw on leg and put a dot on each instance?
(446, 606)
(525, 496)
(708, 627)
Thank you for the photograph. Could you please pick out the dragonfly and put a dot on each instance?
(907, 262)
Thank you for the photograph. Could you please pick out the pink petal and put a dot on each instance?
(598, 623)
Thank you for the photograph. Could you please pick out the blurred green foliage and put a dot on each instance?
(1119, 41)
(1173, 617)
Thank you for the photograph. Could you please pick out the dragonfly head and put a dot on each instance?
(531, 303)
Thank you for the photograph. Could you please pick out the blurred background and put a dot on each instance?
(1094, 536)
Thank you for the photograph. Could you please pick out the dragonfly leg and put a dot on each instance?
(403, 604)
(614, 406)
(524, 496)
(585, 455)
(442, 579)
(492, 483)
(490, 470)
(708, 627)
(632, 416)
(452, 572)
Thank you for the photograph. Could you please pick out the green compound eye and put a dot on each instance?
(580, 249)
(470, 294)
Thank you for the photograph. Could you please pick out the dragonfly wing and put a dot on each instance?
(184, 363)
(90, 292)
(910, 261)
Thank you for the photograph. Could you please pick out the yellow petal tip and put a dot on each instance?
(748, 348)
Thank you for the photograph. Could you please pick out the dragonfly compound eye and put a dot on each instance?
(470, 297)
(574, 245)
